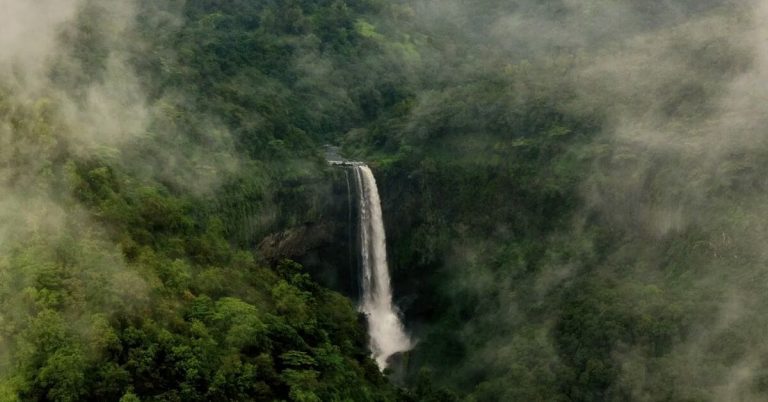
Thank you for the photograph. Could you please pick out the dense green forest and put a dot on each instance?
(573, 192)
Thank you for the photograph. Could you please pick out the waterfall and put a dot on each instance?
(386, 331)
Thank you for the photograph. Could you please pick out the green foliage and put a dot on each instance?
(127, 285)
(133, 274)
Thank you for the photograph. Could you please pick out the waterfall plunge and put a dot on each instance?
(387, 335)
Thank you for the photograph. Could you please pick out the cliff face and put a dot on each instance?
(327, 247)
(295, 242)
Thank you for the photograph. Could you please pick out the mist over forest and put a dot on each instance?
(369, 200)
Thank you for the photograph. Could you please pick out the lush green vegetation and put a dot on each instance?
(123, 288)
(126, 277)
(565, 220)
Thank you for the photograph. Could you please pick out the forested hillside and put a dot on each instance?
(140, 168)
(573, 195)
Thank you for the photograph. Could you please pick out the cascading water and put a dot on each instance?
(386, 331)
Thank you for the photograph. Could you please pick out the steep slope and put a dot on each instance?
(139, 172)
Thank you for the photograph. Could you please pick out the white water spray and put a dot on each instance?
(386, 331)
